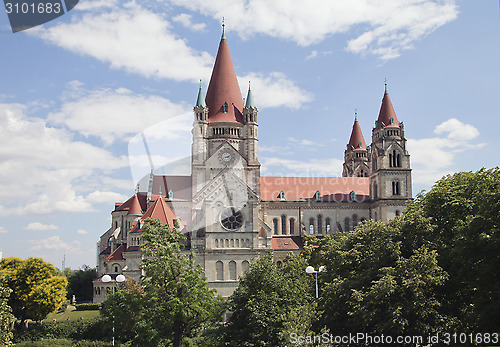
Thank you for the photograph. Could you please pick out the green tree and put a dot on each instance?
(465, 207)
(270, 303)
(177, 298)
(382, 278)
(36, 289)
(129, 298)
(6, 316)
(80, 283)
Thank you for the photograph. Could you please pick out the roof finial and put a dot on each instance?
(223, 29)
(385, 86)
(159, 192)
(355, 114)
(137, 188)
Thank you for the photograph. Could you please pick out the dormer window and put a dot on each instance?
(317, 196)
(360, 145)
(352, 196)
(392, 120)
(282, 196)
(170, 195)
(225, 107)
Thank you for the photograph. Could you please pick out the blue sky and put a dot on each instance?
(76, 92)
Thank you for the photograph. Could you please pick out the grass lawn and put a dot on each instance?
(71, 314)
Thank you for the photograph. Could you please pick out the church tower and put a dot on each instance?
(390, 178)
(225, 178)
(357, 154)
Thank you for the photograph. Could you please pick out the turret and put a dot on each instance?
(356, 155)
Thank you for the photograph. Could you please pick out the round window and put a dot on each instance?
(231, 219)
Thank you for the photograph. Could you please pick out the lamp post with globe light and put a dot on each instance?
(310, 270)
(119, 279)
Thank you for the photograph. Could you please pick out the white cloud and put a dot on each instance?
(274, 90)
(129, 37)
(82, 232)
(432, 158)
(3, 230)
(305, 142)
(94, 112)
(185, 19)
(40, 226)
(389, 27)
(311, 167)
(54, 243)
(313, 54)
(105, 197)
(43, 170)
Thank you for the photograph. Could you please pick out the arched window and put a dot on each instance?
(292, 226)
(390, 160)
(275, 226)
(398, 213)
(283, 225)
(328, 225)
(346, 224)
(320, 224)
(225, 107)
(398, 163)
(311, 226)
(116, 269)
(245, 265)
(219, 269)
(232, 270)
(395, 188)
(354, 220)
(216, 243)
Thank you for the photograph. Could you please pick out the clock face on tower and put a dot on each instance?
(226, 157)
(231, 219)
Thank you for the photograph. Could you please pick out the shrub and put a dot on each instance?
(87, 307)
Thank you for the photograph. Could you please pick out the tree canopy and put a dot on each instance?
(6, 316)
(270, 303)
(36, 289)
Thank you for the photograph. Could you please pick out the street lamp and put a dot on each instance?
(119, 279)
(310, 270)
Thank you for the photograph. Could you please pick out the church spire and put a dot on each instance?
(356, 141)
(201, 100)
(249, 101)
(223, 94)
(387, 116)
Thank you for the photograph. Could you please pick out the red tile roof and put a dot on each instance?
(387, 112)
(223, 87)
(132, 205)
(133, 248)
(289, 243)
(305, 188)
(356, 137)
(117, 254)
(161, 211)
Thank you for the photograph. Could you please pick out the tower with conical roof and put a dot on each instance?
(225, 178)
(390, 178)
(356, 155)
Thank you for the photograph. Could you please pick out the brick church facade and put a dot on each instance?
(231, 214)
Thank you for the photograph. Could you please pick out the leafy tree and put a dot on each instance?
(36, 290)
(129, 298)
(177, 298)
(465, 208)
(382, 278)
(80, 283)
(6, 316)
(270, 303)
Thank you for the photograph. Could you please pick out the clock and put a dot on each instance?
(231, 219)
(226, 157)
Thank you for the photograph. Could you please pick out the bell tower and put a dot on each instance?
(225, 178)
(390, 178)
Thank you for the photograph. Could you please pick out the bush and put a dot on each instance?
(94, 329)
(87, 307)
(63, 343)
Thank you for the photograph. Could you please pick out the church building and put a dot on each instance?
(231, 214)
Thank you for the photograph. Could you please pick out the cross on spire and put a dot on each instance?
(223, 29)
